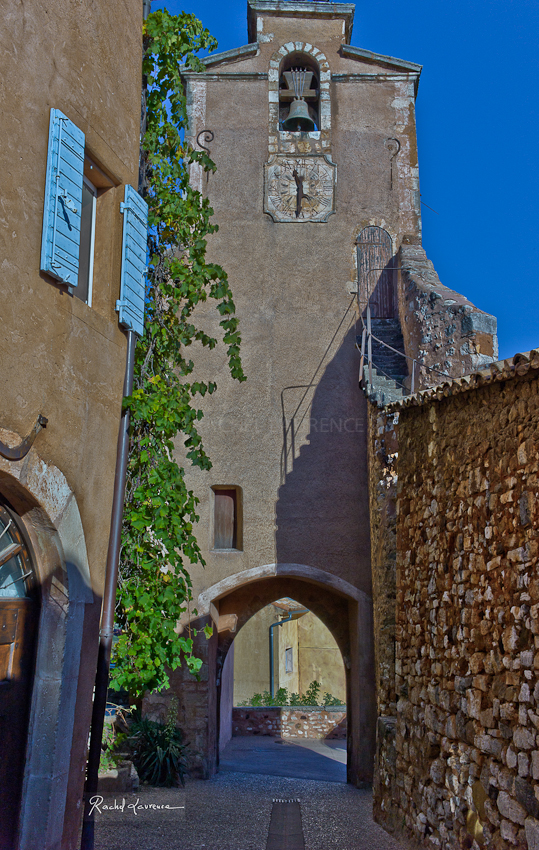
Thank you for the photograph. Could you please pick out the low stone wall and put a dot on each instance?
(461, 758)
(300, 722)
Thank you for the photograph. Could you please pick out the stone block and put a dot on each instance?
(531, 825)
(510, 808)
(523, 739)
(509, 832)
(525, 795)
(124, 778)
(489, 745)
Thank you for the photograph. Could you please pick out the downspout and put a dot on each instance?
(106, 631)
(109, 603)
(292, 615)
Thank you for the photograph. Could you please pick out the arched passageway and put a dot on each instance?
(345, 610)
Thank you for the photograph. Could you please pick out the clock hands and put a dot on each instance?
(299, 189)
(300, 194)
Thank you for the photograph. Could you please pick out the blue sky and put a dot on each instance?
(478, 135)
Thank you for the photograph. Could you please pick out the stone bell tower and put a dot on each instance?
(315, 193)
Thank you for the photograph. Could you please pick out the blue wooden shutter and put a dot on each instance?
(132, 286)
(63, 200)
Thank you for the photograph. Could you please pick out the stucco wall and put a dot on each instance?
(293, 286)
(294, 437)
(59, 356)
(316, 656)
(64, 359)
(467, 608)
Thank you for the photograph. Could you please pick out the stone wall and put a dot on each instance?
(301, 722)
(194, 700)
(467, 615)
(444, 331)
(383, 492)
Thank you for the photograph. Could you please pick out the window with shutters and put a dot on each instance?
(227, 518)
(73, 237)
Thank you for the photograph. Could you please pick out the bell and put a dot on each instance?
(298, 118)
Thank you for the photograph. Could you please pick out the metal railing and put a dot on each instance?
(366, 343)
(367, 336)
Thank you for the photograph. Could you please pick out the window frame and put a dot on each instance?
(75, 290)
(238, 518)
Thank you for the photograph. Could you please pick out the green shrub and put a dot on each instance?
(114, 741)
(283, 698)
(158, 751)
(311, 697)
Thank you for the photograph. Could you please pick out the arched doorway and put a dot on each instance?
(19, 616)
(376, 275)
(347, 613)
(284, 682)
(37, 496)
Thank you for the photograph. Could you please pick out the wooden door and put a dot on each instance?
(19, 614)
(225, 519)
(376, 275)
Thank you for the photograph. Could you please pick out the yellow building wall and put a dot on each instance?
(251, 655)
(315, 654)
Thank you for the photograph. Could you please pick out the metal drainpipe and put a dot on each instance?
(109, 603)
(106, 632)
(299, 612)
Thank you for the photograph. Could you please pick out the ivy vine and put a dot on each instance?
(158, 537)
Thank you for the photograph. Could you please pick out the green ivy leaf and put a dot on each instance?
(158, 539)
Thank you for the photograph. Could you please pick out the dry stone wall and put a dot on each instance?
(383, 456)
(466, 773)
(303, 722)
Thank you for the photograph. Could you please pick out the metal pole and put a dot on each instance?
(293, 615)
(362, 361)
(109, 603)
(369, 344)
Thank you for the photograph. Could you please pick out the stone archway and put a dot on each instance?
(47, 509)
(345, 610)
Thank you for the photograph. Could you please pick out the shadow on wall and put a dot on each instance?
(338, 732)
(322, 509)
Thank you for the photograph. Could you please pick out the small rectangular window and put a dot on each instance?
(227, 518)
(289, 660)
(87, 239)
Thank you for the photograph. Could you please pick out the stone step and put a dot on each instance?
(389, 368)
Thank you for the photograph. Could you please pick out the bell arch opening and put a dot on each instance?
(299, 93)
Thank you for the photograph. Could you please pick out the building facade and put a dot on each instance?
(71, 121)
(316, 195)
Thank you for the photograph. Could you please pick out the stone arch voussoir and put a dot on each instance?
(47, 507)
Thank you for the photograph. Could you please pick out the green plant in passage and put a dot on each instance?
(310, 698)
(158, 750)
(158, 539)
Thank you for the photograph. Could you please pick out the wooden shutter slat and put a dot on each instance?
(132, 286)
(63, 200)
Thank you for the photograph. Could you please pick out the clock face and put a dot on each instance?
(300, 188)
